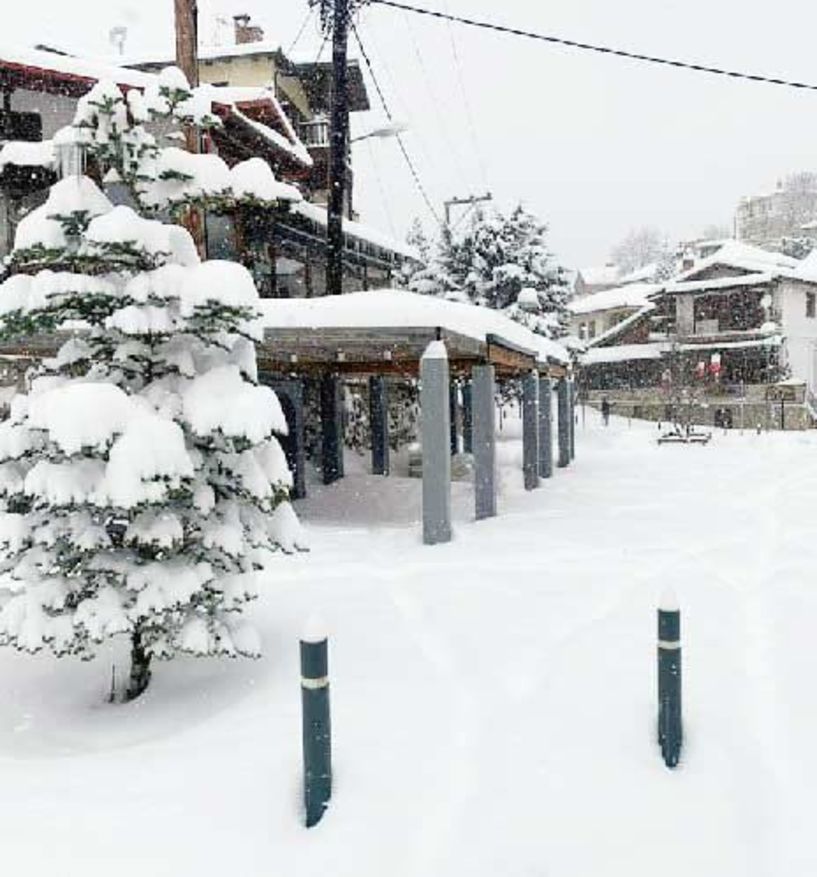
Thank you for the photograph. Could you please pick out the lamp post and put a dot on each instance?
(393, 129)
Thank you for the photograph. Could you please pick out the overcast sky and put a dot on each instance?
(593, 144)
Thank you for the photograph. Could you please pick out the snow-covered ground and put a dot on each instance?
(493, 699)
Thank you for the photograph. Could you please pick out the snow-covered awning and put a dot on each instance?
(625, 353)
(392, 327)
(634, 295)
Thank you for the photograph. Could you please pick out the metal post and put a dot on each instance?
(435, 414)
(563, 405)
(484, 440)
(379, 423)
(572, 386)
(545, 428)
(467, 418)
(316, 725)
(338, 147)
(332, 428)
(670, 732)
(530, 430)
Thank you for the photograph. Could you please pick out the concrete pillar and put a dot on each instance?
(332, 428)
(483, 393)
(530, 430)
(452, 418)
(563, 405)
(379, 423)
(435, 404)
(545, 428)
(467, 418)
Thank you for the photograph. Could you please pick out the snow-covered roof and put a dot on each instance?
(622, 325)
(641, 275)
(807, 269)
(603, 275)
(27, 154)
(715, 283)
(33, 60)
(317, 213)
(634, 295)
(625, 352)
(745, 257)
(396, 309)
(209, 53)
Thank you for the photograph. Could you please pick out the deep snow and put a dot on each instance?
(493, 699)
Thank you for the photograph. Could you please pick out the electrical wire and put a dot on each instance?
(301, 30)
(384, 103)
(469, 116)
(603, 50)
(451, 144)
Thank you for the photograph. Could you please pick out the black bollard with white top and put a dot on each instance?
(670, 730)
(317, 731)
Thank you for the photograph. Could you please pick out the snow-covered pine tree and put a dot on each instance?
(512, 270)
(141, 482)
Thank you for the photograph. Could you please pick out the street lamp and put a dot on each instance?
(393, 129)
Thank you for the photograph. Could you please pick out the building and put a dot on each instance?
(595, 314)
(303, 89)
(590, 280)
(788, 211)
(739, 329)
(287, 254)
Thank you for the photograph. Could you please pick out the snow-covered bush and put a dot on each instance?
(141, 481)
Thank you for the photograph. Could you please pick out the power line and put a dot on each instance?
(301, 30)
(603, 50)
(466, 103)
(387, 111)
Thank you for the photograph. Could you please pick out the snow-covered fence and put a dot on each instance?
(670, 731)
(316, 725)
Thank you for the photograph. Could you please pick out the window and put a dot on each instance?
(592, 331)
(810, 304)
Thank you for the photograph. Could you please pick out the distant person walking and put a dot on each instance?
(605, 411)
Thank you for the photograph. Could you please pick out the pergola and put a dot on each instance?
(386, 334)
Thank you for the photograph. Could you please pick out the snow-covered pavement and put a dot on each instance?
(493, 699)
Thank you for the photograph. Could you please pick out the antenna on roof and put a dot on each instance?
(117, 36)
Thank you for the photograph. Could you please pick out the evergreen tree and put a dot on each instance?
(512, 270)
(141, 482)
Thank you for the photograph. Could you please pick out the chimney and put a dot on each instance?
(246, 32)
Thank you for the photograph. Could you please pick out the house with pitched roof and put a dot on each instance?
(742, 323)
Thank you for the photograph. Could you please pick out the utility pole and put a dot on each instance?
(458, 202)
(187, 28)
(338, 146)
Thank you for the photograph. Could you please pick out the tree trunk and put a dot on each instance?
(139, 666)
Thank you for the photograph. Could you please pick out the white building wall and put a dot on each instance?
(800, 331)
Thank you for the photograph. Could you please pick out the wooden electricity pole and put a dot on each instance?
(187, 54)
(187, 60)
(338, 147)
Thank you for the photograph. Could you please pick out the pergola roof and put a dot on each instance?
(384, 331)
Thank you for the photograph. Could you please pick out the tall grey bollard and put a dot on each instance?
(436, 435)
(453, 402)
(379, 423)
(530, 430)
(545, 428)
(670, 728)
(467, 418)
(331, 428)
(484, 414)
(316, 725)
(563, 406)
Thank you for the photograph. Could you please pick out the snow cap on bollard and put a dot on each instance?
(669, 600)
(315, 630)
